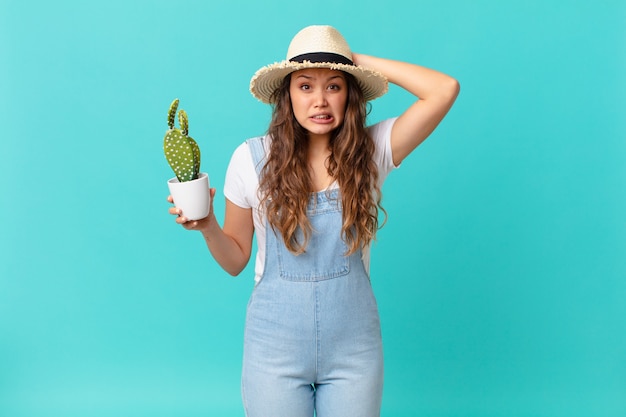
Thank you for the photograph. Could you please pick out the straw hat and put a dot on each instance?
(316, 47)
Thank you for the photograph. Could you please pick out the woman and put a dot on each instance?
(310, 189)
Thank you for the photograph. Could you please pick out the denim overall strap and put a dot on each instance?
(258, 153)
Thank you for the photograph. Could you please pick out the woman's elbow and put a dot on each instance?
(234, 270)
(452, 88)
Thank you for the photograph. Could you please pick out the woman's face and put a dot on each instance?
(318, 99)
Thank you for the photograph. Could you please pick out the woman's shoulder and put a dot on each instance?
(382, 129)
(244, 149)
(263, 141)
(241, 182)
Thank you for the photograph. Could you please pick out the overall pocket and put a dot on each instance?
(324, 257)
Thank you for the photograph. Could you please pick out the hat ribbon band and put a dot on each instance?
(317, 57)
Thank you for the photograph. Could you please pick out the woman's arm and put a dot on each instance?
(436, 93)
(231, 245)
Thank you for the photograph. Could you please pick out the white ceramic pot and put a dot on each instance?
(192, 197)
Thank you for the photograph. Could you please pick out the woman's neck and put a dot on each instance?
(318, 145)
(318, 153)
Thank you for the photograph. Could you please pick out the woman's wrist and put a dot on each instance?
(208, 226)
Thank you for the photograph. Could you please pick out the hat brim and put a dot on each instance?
(269, 78)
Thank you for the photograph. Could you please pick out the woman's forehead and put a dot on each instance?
(323, 73)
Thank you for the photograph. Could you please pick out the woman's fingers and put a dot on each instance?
(184, 221)
(190, 225)
(175, 211)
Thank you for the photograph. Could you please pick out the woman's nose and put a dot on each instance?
(320, 98)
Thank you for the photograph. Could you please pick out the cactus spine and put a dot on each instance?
(181, 151)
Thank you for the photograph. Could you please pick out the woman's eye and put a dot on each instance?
(334, 87)
(305, 87)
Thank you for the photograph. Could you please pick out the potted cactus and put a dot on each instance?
(190, 187)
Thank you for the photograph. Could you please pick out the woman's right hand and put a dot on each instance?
(199, 225)
(231, 245)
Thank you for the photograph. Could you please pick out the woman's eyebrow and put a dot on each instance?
(312, 77)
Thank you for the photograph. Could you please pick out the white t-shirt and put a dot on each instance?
(241, 184)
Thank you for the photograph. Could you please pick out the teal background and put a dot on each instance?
(500, 273)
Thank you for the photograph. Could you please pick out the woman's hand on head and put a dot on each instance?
(199, 225)
(435, 91)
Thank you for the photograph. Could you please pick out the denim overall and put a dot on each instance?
(312, 341)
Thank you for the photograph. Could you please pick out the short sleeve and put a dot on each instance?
(241, 180)
(383, 157)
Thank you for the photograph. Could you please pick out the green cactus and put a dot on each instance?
(181, 151)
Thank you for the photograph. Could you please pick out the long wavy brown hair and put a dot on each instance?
(286, 184)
